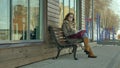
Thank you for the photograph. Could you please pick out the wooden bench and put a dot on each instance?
(61, 41)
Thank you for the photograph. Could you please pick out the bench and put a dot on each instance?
(61, 41)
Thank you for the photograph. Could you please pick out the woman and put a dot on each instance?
(70, 32)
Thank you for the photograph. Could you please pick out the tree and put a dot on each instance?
(108, 17)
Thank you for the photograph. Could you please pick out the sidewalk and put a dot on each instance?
(108, 57)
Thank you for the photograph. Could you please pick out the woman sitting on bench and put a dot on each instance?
(70, 32)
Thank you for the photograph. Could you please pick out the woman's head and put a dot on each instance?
(69, 17)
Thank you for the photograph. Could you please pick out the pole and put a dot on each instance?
(92, 19)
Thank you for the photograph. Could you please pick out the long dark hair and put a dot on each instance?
(66, 17)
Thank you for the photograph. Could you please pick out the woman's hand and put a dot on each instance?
(77, 31)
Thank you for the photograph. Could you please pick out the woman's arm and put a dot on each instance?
(67, 29)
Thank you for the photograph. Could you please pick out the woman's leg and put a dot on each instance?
(88, 48)
(83, 35)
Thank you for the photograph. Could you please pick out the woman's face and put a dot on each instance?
(70, 18)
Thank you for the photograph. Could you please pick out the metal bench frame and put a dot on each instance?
(61, 41)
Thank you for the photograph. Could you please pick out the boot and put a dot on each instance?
(88, 49)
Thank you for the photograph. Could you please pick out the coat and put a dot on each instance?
(69, 29)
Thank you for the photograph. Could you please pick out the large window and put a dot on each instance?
(67, 6)
(21, 20)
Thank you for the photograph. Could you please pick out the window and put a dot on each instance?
(34, 18)
(67, 6)
(4, 20)
(21, 20)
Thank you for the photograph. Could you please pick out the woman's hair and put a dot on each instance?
(66, 17)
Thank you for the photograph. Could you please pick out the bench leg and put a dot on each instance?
(74, 52)
(58, 53)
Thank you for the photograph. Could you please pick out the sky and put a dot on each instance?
(115, 7)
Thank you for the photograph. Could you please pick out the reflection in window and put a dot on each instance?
(75, 7)
(4, 20)
(26, 22)
(67, 6)
(34, 19)
(19, 19)
(72, 6)
(61, 6)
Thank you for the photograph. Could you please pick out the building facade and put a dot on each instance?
(24, 31)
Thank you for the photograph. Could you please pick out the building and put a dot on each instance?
(24, 28)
